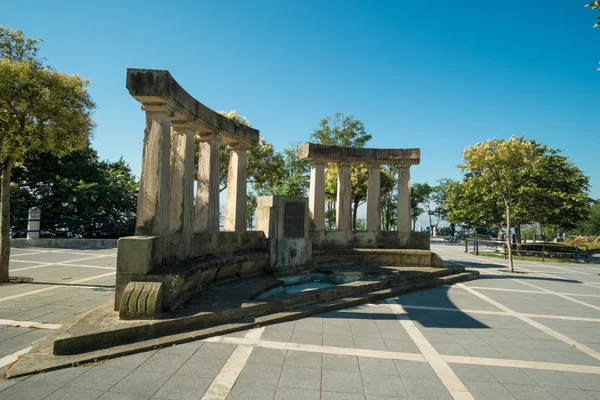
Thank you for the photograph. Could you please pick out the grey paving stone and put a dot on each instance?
(276, 335)
(426, 388)
(403, 346)
(440, 337)
(595, 394)
(337, 362)
(60, 377)
(515, 353)
(395, 334)
(164, 363)
(24, 390)
(366, 331)
(527, 392)
(301, 378)
(338, 341)
(384, 385)
(141, 383)
(74, 394)
(307, 338)
(377, 366)
(186, 349)
(344, 382)
(511, 375)
(99, 378)
(571, 394)
(120, 396)
(183, 387)
(128, 362)
(217, 351)
(414, 368)
(284, 393)
(477, 373)
(342, 396)
(267, 356)
(308, 326)
(584, 381)
(251, 391)
(464, 339)
(303, 359)
(488, 391)
(550, 379)
(341, 330)
(265, 373)
(202, 367)
(362, 342)
(486, 351)
(450, 349)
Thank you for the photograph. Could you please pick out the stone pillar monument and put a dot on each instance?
(207, 192)
(404, 214)
(154, 198)
(316, 201)
(33, 223)
(373, 198)
(182, 177)
(235, 210)
(344, 192)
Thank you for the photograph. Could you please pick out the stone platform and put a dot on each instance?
(224, 308)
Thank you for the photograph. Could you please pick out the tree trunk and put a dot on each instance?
(7, 165)
(354, 212)
(453, 229)
(518, 236)
(414, 220)
(430, 226)
(511, 267)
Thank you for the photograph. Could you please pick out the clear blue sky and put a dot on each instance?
(434, 75)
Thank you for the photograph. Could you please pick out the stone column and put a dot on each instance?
(182, 177)
(316, 201)
(374, 198)
(154, 199)
(344, 197)
(235, 209)
(33, 223)
(404, 214)
(207, 192)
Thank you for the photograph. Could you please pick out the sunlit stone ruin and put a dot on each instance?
(181, 278)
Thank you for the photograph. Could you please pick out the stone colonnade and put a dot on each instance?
(166, 194)
(319, 156)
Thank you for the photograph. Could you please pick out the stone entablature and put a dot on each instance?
(319, 156)
(158, 87)
(352, 155)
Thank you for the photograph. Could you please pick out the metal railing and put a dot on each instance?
(575, 252)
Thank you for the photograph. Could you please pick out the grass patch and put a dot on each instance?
(531, 258)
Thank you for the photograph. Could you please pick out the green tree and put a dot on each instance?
(77, 187)
(389, 197)
(41, 111)
(344, 131)
(591, 226)
(421, 202)
(595, 5)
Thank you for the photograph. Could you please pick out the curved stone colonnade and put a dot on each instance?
(319, 156)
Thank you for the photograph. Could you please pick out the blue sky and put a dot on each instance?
(435, 75)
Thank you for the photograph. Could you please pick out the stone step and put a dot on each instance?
(41, 359)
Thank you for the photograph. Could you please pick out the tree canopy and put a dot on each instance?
(41, 111)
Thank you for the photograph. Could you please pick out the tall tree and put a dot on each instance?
(595, 5)
(41, 111)
(389, 197)
(344, 131)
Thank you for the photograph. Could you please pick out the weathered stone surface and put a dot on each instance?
(373, 198)
(141, 300)
(148, 85)
(404, 213)
(235, 209)
(316, 201)
(313, 151)
(370, 240)
(207, 192)
(182, 177)
(344, 193)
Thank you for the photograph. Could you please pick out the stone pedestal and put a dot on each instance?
(404, 214)
(235, 210)
(343, 218)
(33, 223)
(207, 192)
(286, 223)
(373, 198)
(182, 177)
(153, 210)
(316, 201)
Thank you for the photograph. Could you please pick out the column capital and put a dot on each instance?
(317, 162)
(239, 146)
(374, 164)
(344, 163)
(162, 108)
(405, 164)
(180, 125)
(209, 137)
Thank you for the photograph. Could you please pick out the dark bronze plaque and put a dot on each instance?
(293, 220)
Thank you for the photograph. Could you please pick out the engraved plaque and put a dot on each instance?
(293, 220)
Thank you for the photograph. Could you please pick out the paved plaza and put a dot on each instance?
(534, 335)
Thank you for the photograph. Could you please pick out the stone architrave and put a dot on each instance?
(316, 202)
(153, 210)
(344, 198)
(404, 214)
(182, 177)
(235, 209)
(207, 192)
(374, 197)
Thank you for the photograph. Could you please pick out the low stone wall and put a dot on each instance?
(63, 243)
(364, 257)
(370, 240)
(163, 258)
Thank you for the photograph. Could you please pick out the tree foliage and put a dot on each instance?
(41, 111)
(99, 198)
